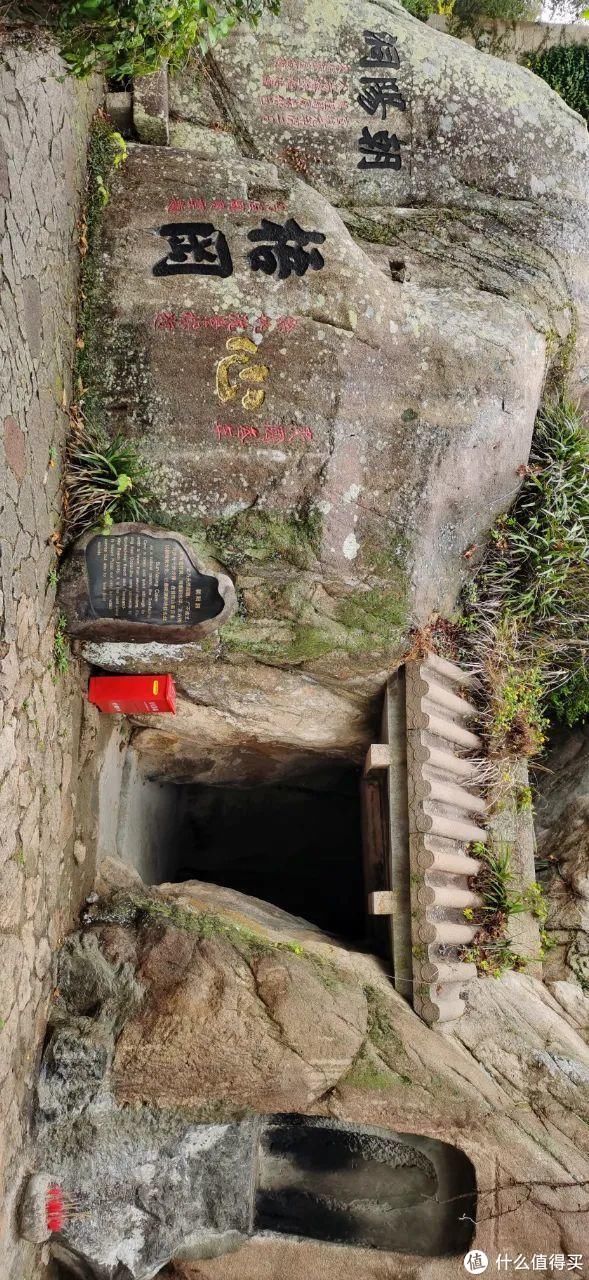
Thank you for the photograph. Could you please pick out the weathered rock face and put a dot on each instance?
(241, 720)
(293, 1021)
(214, 1005)
(485, 188)
(562, 829)
(328, 321)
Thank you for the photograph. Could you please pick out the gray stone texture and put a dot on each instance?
(151, 107)
(507, 1085)
(562, 832)
(43, 734)
(403, 378)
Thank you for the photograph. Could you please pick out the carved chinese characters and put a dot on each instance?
(242, 351)
(199, 248)
(285, 249)
(212, 359)
(307, 92)
(336, 110)
(378, 96)
(196, 248)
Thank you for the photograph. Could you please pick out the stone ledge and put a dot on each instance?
(151, 108)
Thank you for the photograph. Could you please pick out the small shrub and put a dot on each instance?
(547, 943)
(135, 37)
(472, 17)
(539, 563)
(524, 800)
(534, 900)
(422, 9)
(512, 719)
(566, 69)
(491, 949)
(105, 482)
(527, 615)
(493, 957)
(495, 881)
(516, 722)
(569, 702)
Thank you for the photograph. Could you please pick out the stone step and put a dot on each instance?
(449, 971)
(449, 933)
(442, 697)
(452, 896)
(450, 671)
(447, 1006)
(450, 794)
(453, 732)
(447, 762)
(456, 864)
(456, 828)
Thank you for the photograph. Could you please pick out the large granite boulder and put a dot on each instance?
(562, 831)
(329, 310)
(190, 1005)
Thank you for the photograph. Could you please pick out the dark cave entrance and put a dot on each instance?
(294, 844)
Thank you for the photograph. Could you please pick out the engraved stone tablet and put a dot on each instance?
(141, 583)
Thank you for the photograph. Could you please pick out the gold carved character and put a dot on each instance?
(241, 351)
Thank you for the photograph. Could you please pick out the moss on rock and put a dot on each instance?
(256, 537)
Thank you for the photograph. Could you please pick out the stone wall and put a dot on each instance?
(511, 41)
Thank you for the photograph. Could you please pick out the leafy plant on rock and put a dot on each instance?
(496, 880)
(526, 616)
(136, 37)
(473, 17)
(569, 702)
(106, 482)
(566, 69)
(491, 949)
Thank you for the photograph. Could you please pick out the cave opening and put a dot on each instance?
(295, 843)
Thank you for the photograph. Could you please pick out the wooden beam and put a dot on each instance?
(378, 757)
(380, 903)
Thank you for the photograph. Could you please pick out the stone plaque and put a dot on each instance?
(140, 583)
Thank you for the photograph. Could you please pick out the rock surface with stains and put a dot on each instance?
(562, 830)
(198, 1006)
(335, 380)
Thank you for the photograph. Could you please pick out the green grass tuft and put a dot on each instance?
(105, 483)
(526, 615)
(61, 649)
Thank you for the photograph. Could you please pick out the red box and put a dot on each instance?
(133, 695)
